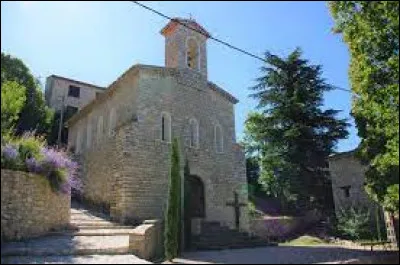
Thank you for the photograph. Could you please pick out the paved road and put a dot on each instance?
(276, 255)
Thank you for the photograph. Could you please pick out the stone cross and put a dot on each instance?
(237, 206)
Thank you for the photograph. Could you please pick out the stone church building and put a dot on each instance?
(123, 137)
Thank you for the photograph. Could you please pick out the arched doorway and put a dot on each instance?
(194, 204)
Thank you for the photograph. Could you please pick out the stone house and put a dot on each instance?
(123, 137)
(77, 94)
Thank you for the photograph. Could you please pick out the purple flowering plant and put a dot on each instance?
(30, 153)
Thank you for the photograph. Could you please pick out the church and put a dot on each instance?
(123, 138)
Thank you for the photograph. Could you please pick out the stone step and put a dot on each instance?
(230, 245)
(68, 245)
(93, 223)
(85, 259)
(94, 232)
(92, 227)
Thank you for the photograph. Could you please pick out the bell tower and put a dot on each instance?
(186, 48)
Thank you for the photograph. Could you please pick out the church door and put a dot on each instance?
(194, 204)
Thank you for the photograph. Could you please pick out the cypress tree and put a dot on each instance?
(173, 213)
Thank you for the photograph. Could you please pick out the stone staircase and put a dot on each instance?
(90, 234)
(214, 236)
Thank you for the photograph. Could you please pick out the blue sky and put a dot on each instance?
(97, 41)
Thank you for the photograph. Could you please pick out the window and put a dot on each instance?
(99, 129)
(69, 111)
(74, 91)
(112, 123)
(78, 141)
(346, 191)
(165, 127)
(218, 139)
(192, 54)
(88, 134)
(194, 133)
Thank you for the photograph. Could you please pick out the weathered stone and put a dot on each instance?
(29, 207)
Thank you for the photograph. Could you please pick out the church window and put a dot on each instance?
(194, 133)
(112, 124)
(192, 54)
(78, 141)
(218, 139)
(99, 128)
(89, 134)
(165, 127)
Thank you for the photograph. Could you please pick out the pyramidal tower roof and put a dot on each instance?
(175, 22)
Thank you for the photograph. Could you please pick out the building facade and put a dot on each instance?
(72, 94)
(123, 138)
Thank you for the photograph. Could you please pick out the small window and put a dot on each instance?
(112, 122)
(69, 111)
(78, 141)
(89, 134)
(194, 133)
(165, 127)
(99, 129)
(346, 191)
(74, 91)
(218, 139)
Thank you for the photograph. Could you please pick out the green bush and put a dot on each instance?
(173, 212)
(354, 223)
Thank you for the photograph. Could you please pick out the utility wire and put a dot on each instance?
(215, 39)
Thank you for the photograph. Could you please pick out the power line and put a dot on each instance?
(215, 39)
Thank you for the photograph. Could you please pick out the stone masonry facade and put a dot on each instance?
(29, 207)
(57, 87)
(348, 173)
(125, 163)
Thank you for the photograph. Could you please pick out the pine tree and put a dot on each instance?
(173, 213)
(292, 134)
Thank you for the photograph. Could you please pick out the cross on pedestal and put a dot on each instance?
(235, 204)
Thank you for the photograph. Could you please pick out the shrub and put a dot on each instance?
(30, 153)
(354, 223)
(173, 213)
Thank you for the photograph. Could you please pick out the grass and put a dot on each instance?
(305, 241)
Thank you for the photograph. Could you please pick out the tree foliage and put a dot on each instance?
(371, 31)
(34, 115)
(291, 133)
(12, 100)
(173, 212)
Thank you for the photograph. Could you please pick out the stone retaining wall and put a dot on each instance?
(281, 227)
(29, 207)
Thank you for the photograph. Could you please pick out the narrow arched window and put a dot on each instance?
(78, 141)
(165, 127)
(218, 139)
(192, 54)
(194, 133)
(112, 122)
(100, 126)
(89, 134)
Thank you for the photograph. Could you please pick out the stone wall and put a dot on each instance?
(346, 170)
(281, 227)
(29, 207)
(135, 173)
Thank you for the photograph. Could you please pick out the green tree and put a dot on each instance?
(173, 212)
(35, 115)
(12, 101)
(371, 31)
(292, 134)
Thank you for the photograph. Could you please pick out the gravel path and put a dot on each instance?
(276, 255)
